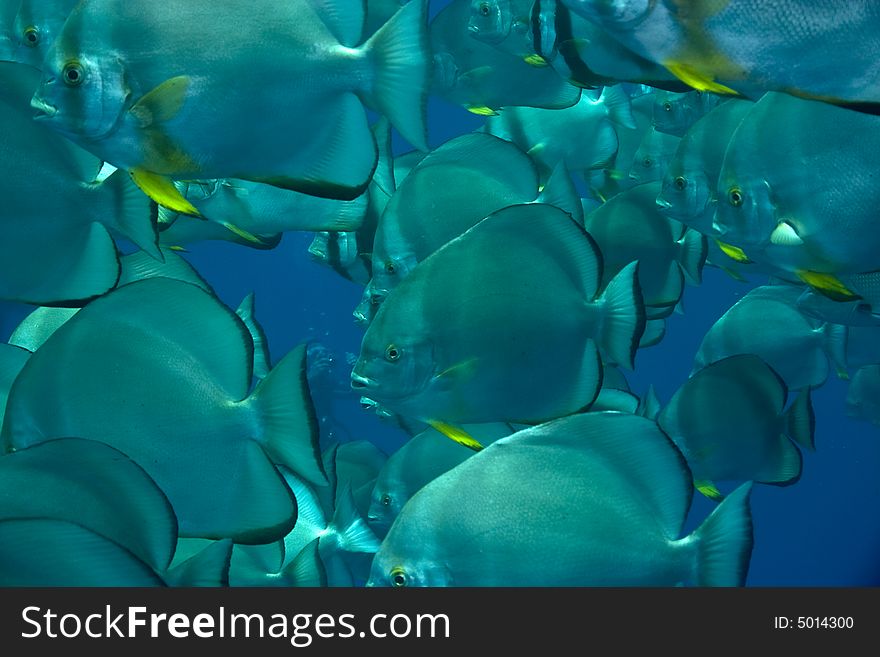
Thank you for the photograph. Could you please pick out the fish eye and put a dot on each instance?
(390, 268)
(31, 36)
(484, 9)
(647, 162)
(392, 353)
(398, 577)
(680, 183)
(73, 74)
(667, 106)
(386, 500)
(735, 196)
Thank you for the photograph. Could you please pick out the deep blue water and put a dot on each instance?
(822, 531)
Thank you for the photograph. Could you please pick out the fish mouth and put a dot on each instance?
(360, 318)
(359, 382)
(663, 205)
(44, 109)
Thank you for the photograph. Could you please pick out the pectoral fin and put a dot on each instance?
(535, 60)
(697, 79)
(242, 233)
(457, 434)
(481, 110)
(461, 371)
(162, 190)
(827, 284)
(734, 252)
(163, 103)
(708, 489)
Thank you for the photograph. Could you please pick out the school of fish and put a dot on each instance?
(511, 276)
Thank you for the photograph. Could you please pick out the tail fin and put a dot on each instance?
(650, 405)
(605, 146)
(383, 177)
(262, 362)
(693, 249)
(210, 567)
(623, 317)
(619, 106)
(836, 337)
(800, 421)
(560, 192)
(352, 532)
(655, 331)
(290, 425)
(306, 569)
(131, 213)
(401, 58)
(724, 541)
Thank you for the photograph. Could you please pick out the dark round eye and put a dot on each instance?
(390, 268)
(386, 500)
(484, 9)
(735, 196)
(647, 162)
(680, 183)
(667, 106)
(73, 74)
(31, 36)
(398, 577)
(392, 353)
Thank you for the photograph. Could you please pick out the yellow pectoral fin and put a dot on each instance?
(536, 150)
(708, 489)
(481, 110)
(697, 79)
(827, 284)
(455, 433)
(179, 249)
(163, 103)
(462, 371)
(242, 233)
(535, 60)
(734, 252)
(734, 275)
(476, 74)
(162, 190)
